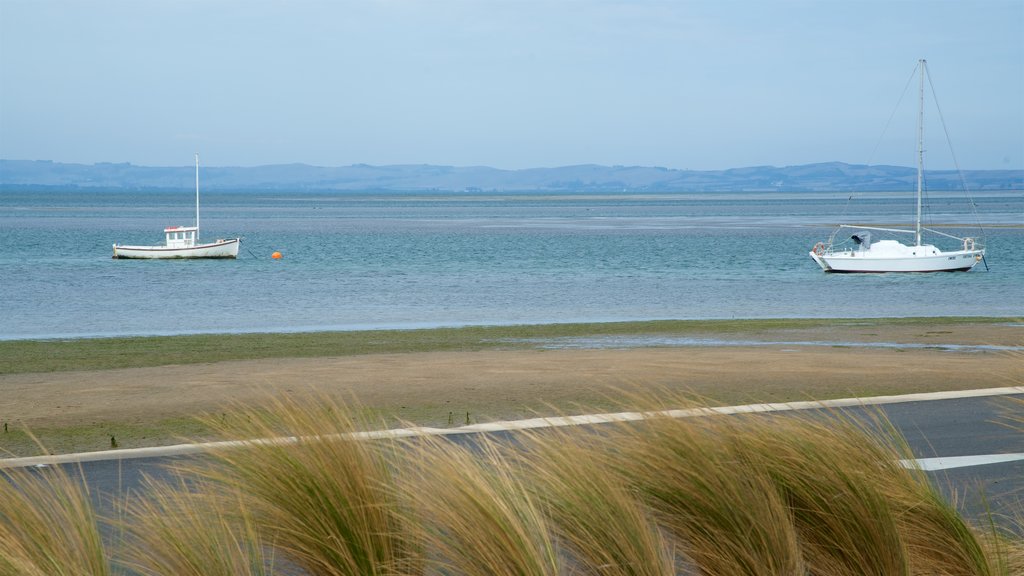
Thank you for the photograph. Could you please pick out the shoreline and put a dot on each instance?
(406, 326)
(414, 326)
(451, 377)
(62, 354)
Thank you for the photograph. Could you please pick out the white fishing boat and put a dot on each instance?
(886, 255)
(182, 242)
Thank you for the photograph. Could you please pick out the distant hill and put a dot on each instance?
(829, 176)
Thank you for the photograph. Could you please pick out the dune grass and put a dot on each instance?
(475, 513)
(189, 528)
(48, 526)
(326, 499)
(605, 528)
(819, 494)
(726, 516)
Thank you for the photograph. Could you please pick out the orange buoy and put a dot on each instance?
(276, 255)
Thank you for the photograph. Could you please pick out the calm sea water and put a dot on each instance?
(386, 260)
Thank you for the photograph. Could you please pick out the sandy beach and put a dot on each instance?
(80, 410)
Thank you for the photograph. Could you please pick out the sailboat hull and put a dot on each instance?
(890, 255)
(218, 249)
(854, 262)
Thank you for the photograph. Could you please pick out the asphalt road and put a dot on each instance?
(968, 427)
(935, 428)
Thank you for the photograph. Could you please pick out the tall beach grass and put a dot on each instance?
(597, 516)
(186, 527)
(725, 515)
(48, 525)
(324, 498)
(820, 494)
(476, 513)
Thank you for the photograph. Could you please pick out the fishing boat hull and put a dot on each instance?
(857, 262)
(219, 249)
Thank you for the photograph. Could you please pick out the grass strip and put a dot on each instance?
(33, 356)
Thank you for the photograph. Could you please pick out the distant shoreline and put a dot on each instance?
(823, 176)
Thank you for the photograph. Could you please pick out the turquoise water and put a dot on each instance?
(401, 260)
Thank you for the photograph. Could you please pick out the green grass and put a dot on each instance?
(26, 356)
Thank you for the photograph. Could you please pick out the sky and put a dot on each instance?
(699, 85)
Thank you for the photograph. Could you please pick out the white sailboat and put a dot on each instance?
(891, 255)
(182, 242)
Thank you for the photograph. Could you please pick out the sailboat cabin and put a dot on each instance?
(181, 236)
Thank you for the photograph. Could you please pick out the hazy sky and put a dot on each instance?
(704, 84)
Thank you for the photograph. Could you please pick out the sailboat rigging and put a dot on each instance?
(891, 255)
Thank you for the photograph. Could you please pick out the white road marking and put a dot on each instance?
(535, 423)
(947, 462)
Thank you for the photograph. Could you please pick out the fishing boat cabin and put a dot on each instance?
(181, 236)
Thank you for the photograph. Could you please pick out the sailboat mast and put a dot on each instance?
(197, 197)
(920, 151)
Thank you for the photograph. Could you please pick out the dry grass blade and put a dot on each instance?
(48, 526)
(1011, 549)
(593, 510)
(727, 515)
(475, 514)
(1014, 413)
(326, 499)
(939, 541)
(193, 529)
(833, 474)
